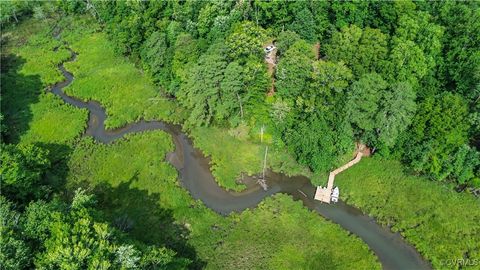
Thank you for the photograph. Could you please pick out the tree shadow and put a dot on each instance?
(139, 214)
(37, 181)
(18, 92)
(56, 175)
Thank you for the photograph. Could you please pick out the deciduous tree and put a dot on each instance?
(363, 101)
(363, 51)
(14, 252)
(397, 108)
(246, 40)
(22, 169)
(294, 70)
(438, 129)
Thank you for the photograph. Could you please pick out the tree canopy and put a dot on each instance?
(209, 56)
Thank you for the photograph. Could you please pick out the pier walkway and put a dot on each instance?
(324, 194)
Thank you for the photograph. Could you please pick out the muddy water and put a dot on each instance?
(194, 170)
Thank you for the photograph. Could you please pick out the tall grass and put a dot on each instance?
(255, 239)
(32, 114)
(125, 93)
(441, 223)
(231, 156)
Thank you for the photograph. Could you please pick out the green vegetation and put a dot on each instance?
(48, 233)
(48, 121)
(41, 58)
(29, 66)
(392, 75)
(13, 10)
(232, 154)
(138, 193)
(401, 77)
(102, 76)
(438, 221)
(136, 186)
(230, 90)
(37, 229)
(439, 126)
(373, 58)
(22, 170)
(277, 240)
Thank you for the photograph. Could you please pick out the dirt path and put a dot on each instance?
(195, 175)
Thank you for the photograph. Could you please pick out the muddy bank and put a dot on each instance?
(195, 176)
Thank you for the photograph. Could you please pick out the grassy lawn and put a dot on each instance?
(31, 113)
(441, 223)
(133, 182)
(231, 156)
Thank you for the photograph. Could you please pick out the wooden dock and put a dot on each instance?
(324, 194)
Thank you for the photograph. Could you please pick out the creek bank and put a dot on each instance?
(195, 175)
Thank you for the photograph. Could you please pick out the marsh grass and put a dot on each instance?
(440, 222)
(261, 238)
(103, 76)
(29, 67)
(231, 156)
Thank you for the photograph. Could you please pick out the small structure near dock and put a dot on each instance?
(335, 194)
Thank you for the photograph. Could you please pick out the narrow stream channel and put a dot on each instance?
(194, 170)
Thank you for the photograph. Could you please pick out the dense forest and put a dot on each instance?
(402, 77)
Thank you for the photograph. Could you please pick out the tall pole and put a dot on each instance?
(261, 133)
(265, 162)
(241, 108)
(262, 181)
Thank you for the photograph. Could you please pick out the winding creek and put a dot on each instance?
(194, 171)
